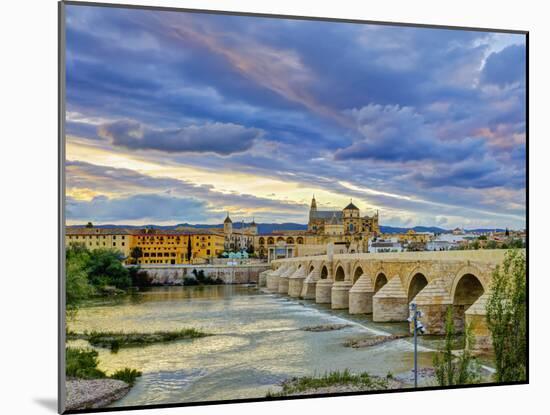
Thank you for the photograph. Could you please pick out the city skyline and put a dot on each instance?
(177, 117)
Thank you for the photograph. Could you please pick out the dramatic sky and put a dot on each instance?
(178, 117)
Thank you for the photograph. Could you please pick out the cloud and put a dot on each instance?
(399, 134)
(217, 138)
(425, 102)
(478, 174)
(137, 207)
(505, 67)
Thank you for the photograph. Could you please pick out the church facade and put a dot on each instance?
(346, 229)
(347, 221)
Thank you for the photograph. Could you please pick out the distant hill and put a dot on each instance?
(393, 229)
(266, 228)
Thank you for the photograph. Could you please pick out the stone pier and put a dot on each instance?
(272, 279)
(296, 281)
(340, 295)
(390, 302)
(308, 287)
(323, 291)
(360, 296)
(433, 301)
(476, 319)
(283, 280)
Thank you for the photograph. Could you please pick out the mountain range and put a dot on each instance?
(266, 228)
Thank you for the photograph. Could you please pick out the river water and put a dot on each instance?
(257, 343)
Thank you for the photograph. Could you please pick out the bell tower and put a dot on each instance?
(228, 225)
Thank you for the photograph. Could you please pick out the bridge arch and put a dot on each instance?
(380, 281)
(324, 272)
(467, 288)
(340, 274)
(416, 284)
(357, 273)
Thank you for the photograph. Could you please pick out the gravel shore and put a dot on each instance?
(344, 388)
(357, 343)
(96, 393)
(326, 327)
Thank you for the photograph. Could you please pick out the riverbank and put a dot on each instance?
(94, 393)
(335, 382)
(116, 340)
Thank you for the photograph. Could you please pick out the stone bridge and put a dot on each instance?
(384, 284)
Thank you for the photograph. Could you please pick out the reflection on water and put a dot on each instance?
(258, 343)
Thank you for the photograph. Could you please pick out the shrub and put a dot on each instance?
(452, 370)
(507, 318)
(126, 375)
(82, 363)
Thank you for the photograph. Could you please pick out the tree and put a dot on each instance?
(136, 253)
(250, 249)
(492, 244)
(189, 248)
(77, 288)
(89, 225)
(506, 317)
(450, 369)
(105, 268)
(482, 237)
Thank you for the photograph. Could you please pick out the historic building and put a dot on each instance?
(177, 246)
(156, 246)
(95, 238)
(238, 239)
(346, 229)
(347, 221)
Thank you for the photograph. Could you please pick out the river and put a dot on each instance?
(257, 343)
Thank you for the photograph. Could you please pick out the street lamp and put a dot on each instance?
(418, 327)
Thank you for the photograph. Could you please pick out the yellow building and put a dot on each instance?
(100, 238)
(172, 246)
(157, 246)
(411, 236)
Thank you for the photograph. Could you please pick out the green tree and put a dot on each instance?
(451, 369)
(482, 238)
(492, 244)
(105, 268)
(89, 225)
(189, 249)
(136, 253)
(77, 288)
(506, 317)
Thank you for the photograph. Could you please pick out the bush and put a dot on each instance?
(105, 268)
(452, 370)
(507, 317)
(126, 375)
(82, 363)
(139, 278)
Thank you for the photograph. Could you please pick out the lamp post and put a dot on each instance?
(418, 327)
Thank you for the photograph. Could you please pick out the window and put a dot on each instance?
(122, 244)
(114, 243)
(208, 251)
